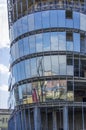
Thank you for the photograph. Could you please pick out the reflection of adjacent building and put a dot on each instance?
(48, 64)
(4, 117)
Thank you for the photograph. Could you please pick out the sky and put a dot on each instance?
(4, 52)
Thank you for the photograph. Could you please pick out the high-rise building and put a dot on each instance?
(48, 64)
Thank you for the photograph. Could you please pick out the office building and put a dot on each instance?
(48, 64)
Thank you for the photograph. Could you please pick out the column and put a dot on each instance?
(65, 118)
(54, 120)
(37, 119)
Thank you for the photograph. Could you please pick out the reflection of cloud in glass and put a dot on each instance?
(54, 43)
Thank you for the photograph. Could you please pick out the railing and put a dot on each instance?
(54, 5)
(45, 6)
(51, 104)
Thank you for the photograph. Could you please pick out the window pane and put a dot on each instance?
(38, 20)
(27, 68)
(82, 44)
(40, 66)
(20, 92)
(18, 76)
(26, 45)
(76, 37)
(45, 19)
(62, 40)
(61, 18)
(39, 46)
(19, 27)
(69, 69)
(21, 51)
(13, 52)
(53, 18)
(24, 91)
(76, 19)
(47, 66)
(69, 46)
(15, 29)
(55, 65)
(33, 67)
(16, 50)
(24, 24)
(54, 41)
(22, 70)
(29, 89)
(32, 44)
(31, 22)
(69, 23)
(46, 41)
(62, 64)
(82, 22)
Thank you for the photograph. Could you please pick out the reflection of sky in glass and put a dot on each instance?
(39, 43)
(54, 41)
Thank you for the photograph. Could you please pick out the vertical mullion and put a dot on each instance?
(46, 125)
(29, 119)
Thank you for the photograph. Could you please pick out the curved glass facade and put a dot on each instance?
(48, 51)
(46, 42)
(44, 20)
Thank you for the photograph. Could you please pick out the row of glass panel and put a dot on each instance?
(51, 41)
(47, 19)
(43, 91)
(41, 66)
(48, 66)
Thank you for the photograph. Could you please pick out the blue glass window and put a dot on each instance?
(21, 49)
(32, 44)
(26, 45)
(11, 31)
(76, 19)
(46, 41)
(82, 44)
(47, 65)
(69, 23)
(55, 65)
(54, 41)
(45, 19)
(69, 46)
(39, 46)
(31, 22)
(20, 92)
(27, 68)
(76, 39)
(62, 64)
(16, 50)
(62, 40)
(40, 66)
(24, 91)
(24, 24)
(53, 18)
(33, 67)
(15, 29)
(82, 22)
(22, 70)
(29, 89)
(13, 52)
(19, 27)
(38, 20)
(18, 72)
(61, 18)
